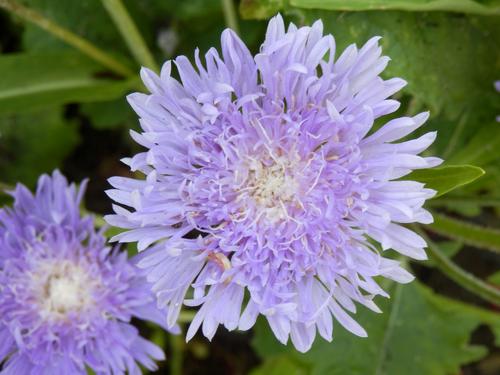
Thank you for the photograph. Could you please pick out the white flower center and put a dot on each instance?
(61, 287)
(272, 187)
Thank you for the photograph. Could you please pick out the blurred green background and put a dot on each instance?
(66, 66)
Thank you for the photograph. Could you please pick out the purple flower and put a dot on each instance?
(66, 300)
(270, 158)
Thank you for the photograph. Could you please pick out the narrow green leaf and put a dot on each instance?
(482, 148)
(468, 206)
(459, 275)
(495, 279)
(446, 178)
(130, 33)
(448, 249)
(467, 233)
(230, 15)
(83, 45)
(463, 201)
(39, 80)
(461, 6)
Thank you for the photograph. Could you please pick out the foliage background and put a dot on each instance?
(61, 108)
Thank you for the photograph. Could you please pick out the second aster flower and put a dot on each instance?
(271, 160)
(66, 299)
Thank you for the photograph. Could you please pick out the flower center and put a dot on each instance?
(62, 287)
(272, 186)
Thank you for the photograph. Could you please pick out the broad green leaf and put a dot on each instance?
(280, 365)
(465, 6)
(34, 143)
(418, 333)
(449, 61)
(109, 114)
(470, 234)
(447, 178)
(482, 148)
(416, 42)
(39, 80)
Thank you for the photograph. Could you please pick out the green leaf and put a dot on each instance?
(39, 80)
(109, 114)
(448, 248)
(34, 143)
(467, 233)
(260, 9)
(418, 333)
(417, 43)
(468, 206)
(280, 365)
(197, 23)
(472, 201)
(447, 178)
(465, 6)
(482, 148)
(462, 277)
(471, 198)
(495, 278)
(86, 18)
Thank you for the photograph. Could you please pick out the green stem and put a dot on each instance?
(459, 275)
(186, 316)
(176, 358)
(470, 234)
(456, 135)
(67, 36)
(130, 33)
(230, 15)
(5, 187)
(99, 221)
(392, 322)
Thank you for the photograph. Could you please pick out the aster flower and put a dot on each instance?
(270, 159)
(66, 300)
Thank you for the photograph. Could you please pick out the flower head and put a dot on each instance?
(66, 300)
(271, 160)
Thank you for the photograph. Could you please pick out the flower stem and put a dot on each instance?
(457, 132)
(176, 358)
(230, 15)
(4, 188)
(459, 275)
(130, 33)
(186, 316)
(67, 36)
